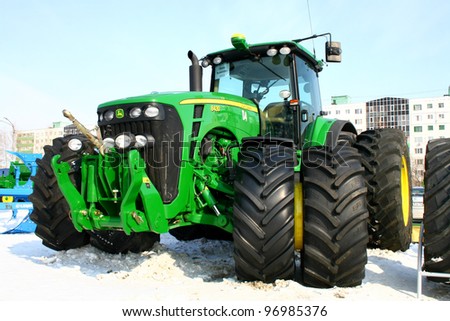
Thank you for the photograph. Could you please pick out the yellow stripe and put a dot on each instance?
(194, 101)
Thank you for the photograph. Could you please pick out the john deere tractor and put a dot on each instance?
(252, 160)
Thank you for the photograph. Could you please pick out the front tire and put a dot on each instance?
(50, 208)
(385, 157)
(436, 218)
(264, 211)
(335, 216)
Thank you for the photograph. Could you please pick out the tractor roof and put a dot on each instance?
(261, 49)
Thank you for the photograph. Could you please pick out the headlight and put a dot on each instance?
(124, 140)
(75, 144)
(141, 141)
(151, 111)
(135, 112)
(109, 115)
(108, 143)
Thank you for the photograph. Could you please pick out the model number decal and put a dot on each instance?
(215, 108)
(244, 115)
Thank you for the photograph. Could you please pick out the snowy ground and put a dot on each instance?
(176, 271)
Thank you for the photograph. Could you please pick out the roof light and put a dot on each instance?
(272, 52)
(217, 60)
(205, 62)
(285, 50)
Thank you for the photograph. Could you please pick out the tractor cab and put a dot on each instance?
(280, 78)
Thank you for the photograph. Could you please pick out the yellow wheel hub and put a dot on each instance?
(298, 216)
(405, 190)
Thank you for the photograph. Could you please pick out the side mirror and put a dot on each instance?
(333, 51)
(304, 116)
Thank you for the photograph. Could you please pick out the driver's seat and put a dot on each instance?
(275, 112)
(275, 120)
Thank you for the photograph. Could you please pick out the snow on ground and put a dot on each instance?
(173, 270)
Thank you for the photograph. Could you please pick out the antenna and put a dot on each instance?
(310, 27)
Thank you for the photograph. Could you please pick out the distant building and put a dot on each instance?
(421, 119)
(430, 119)
(339, 100)
(354, 113)
(6, 144)
(73, 130)
(33, 141)
(388, 112)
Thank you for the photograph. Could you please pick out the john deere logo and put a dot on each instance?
(120, 113)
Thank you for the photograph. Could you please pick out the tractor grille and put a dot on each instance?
(163, 159)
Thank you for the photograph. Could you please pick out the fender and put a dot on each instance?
(335, 129)
(325, 132)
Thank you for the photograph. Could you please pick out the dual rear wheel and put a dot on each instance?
(334, 236)
(354, 194)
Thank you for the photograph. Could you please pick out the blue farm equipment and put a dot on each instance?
(15, 187)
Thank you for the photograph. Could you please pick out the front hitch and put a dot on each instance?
(94, 208)
(78, 209)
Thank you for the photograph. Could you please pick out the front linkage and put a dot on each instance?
(103, 182)
(117, 193)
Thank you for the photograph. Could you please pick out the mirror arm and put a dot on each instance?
(314, 37)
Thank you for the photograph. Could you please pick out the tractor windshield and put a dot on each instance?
(308, 92)
(268, 81)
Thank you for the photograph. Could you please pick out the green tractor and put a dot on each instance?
(252, 160)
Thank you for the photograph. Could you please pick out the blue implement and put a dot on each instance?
(15, 187)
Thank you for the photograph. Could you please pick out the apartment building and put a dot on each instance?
(33, 141)
(430, 119)
(356, 113)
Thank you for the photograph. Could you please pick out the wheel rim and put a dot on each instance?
(298, 216)
(405, 190)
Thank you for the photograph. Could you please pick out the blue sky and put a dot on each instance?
(57, 54)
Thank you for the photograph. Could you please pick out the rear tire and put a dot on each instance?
(50, 208)
(385, 157)
(335, 217)
(264, 211)
(436, 216)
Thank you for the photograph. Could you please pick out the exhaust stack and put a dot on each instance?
(195, 73)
